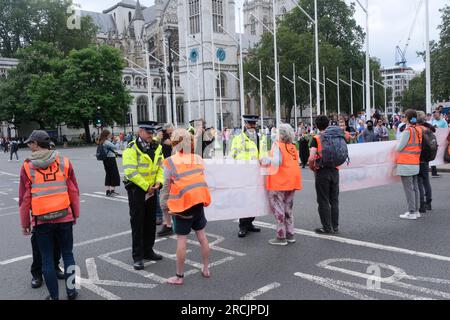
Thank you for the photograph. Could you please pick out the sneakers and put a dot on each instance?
(278, 242)
(113, 194)
(165, 231)
(409, 216)
(418, 215)
(291, 239)
(108, 193)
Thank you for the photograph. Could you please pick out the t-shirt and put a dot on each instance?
(441, 123)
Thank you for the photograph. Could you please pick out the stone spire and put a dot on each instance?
(138, 14)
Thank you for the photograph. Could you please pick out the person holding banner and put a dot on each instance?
(408, 164)
(284, 178)
(185, 194)
(249, 145)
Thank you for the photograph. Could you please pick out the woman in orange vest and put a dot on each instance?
(408, 164)
(184, 195)
(284, 178)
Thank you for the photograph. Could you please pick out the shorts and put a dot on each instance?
(196, 221)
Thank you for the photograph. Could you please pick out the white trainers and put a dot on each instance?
(409, 216)
(278, 242)
(418, 215)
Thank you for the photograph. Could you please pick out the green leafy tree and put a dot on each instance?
(341, 40)
(415, 97)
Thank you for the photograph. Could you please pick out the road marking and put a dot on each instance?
(212, 245)
(261, 291)
(7, 208)
(9, 174)
(104, 197)
(16, 199)
(91, 267)
(3, 193)
(9, 261)
(97, 290)
(119, 197)
(360, 243)
(8, 214)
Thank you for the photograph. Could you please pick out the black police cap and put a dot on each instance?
(251, 118)
(148, 125)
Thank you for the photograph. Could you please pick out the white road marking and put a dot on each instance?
(119, 197)
(104, 197)
(3, 193)
(16, 199)
(261, 291)
(332, 284)
(9, 174)
(91, 267)
(360, 243)
(97, 290)
(7, 208)
(213, 247)
(8, 214)
(9, 261)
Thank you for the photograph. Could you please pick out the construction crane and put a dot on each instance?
(400, 55)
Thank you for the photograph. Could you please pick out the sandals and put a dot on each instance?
(177, 281)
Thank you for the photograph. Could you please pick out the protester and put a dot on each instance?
(249, 145)
(369, 134)
(284, 178)
(327, 183)
(143, 176)
(343, 127)
(185, 194)
(304, 148)
(112, 178)
(360, 130)
(381, 132)
(438, 122)
(54, 206)
(400, 127)
(425, 191)
(408, 164)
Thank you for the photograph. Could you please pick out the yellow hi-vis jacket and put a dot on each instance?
(140, 169)
(242, 148)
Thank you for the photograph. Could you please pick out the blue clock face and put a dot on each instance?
(193, 56)
(221, 55)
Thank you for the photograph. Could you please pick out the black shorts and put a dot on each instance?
(192, 219)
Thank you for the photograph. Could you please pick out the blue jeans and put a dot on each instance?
(46, 235)
(159, 213)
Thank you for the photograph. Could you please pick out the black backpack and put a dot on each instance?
(101, 153)
(429, 146)
(334, 148)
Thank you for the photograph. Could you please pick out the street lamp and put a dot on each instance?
(366, 11)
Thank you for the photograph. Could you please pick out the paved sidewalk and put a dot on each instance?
(444, 168)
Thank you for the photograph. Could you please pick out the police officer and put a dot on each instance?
(142, 162)
(249, 145)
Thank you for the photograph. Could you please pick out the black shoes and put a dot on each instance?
(50, 298)
(139, 265)
(252, 228)
(428, 207)
(72, 296)
(108, 193)
(165, 231)
(60, 274)
(323, 231)
(153, 257)
(244, 230)
(242, 233)
(159, 221)
(36, 283)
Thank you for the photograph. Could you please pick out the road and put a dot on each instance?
(376, 256)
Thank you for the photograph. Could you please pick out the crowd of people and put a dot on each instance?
(165, 182)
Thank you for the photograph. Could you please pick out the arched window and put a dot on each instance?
(145, 83)
(127, 81)
(142, 109)
(156, 83)
(217, 6)
(221, 85)
(180, 110)
(161, 110)
(129, 16)
(283, 10)
(253, 26)
(138, 82)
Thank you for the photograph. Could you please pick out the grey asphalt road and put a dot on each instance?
(376, 256)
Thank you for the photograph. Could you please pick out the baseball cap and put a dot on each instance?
(38, 136)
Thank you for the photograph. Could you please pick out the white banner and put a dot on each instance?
(441, 136)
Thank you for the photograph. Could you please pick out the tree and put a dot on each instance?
(341, 40)
(24, 22)
(415, 97)
(92, 81)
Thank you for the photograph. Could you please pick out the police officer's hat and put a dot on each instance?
(150, 126)
(251, 119)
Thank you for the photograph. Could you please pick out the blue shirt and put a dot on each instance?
(441, 123)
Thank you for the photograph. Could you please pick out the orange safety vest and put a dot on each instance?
(287, 176)
(410, 155)
(48, 187)
(188, 186)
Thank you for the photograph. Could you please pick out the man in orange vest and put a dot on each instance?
(184, 195)
(48, 191)
(327, 184)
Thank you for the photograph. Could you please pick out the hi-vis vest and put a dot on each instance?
(286, 177)
(410, 155)
(242, 148)
(48, 187)
(188, 186)
(140, 169)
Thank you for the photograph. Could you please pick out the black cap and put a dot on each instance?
(38, 136)
(148, 125)
(251, 119)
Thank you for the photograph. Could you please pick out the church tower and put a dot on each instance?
(212, 58)
(138, 22)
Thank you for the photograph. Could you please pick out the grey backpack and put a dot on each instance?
(334, 148)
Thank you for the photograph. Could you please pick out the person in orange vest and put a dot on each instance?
(284, 178)
(49, 202)
(408, 164)
(185, 194)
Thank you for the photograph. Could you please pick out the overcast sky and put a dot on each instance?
(389, 25)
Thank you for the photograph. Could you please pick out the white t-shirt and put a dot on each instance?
(399, 133)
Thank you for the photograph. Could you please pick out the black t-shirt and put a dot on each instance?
(314, 143)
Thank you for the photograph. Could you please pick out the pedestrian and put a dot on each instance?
(284, 178)
(425, 191)
(166, 229)
(408, 164)
(142, 162)
(360, 130)
(438, 122)
(304, 148)
(249, 145)
(327, 183)
(400, 127)
(381, 131)
(369, 134)
(185, 194)
(112, 177)
(49, 191)
(14, 149)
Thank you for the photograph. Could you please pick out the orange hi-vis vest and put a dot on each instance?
(287, 176)
(48, 187)
(410, 155)
(188, 186)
